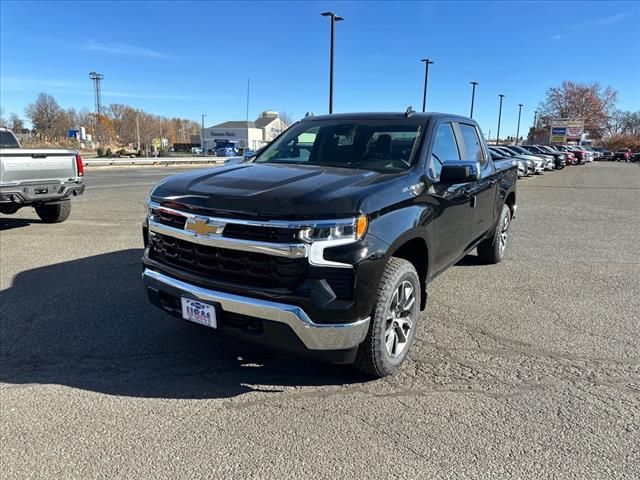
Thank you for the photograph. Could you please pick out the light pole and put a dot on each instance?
(138, 129)
(518, 129)
(499, 118)
(533, 134)
(427, 62)
(473, 96)
(204, 147)
(334, 18)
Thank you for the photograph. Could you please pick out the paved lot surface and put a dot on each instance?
(527, 369)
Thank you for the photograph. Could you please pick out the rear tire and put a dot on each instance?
(392, 328)
(492, 250)
(55, 213)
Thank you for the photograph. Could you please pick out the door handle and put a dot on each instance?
(493, 182)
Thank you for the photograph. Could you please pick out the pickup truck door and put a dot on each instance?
(451, 203)
(484, 191)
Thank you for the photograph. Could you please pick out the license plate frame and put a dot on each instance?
(199, 312)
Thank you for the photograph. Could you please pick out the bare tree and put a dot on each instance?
(287, 118)
(16, 124)
(46, 115)
(591, 103)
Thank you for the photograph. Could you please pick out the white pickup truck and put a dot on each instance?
(44, 179)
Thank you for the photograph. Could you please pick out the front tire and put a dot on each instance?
(55, 213)
(493, 249)
(392, 329)
(9, 208)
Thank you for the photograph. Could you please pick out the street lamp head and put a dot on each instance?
(427, 60)
(501, 95)
(336, 18)
(520, 105)
(474, 83)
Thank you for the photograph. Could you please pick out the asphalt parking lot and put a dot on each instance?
(526, 369)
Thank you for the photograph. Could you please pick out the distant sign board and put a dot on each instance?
(558, 134)
(566, 129)
(73, 134)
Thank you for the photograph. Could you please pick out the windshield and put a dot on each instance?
(7, 140)
(506, 151)
(520, 150)
(386, 146)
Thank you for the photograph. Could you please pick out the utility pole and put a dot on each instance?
(473, 97)
(334, 18)
(138, 129)
(499, 118)
(518, 129)
(427, 62)
(97, 78)
(204, 147)
(246, 146)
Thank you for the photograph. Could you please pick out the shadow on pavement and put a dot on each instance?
(9, 223)
(87, 324)
(470, 261)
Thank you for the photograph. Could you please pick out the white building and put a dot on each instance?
(251, 135)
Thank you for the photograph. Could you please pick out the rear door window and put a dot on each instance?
(472, 143)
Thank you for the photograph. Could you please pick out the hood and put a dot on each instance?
(277, 191)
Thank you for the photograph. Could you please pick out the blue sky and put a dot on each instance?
(184, 59)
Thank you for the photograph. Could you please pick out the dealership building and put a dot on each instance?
(244, 134)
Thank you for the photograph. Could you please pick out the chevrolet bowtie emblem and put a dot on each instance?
(202, 226)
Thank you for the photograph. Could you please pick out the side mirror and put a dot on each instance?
(457, 171)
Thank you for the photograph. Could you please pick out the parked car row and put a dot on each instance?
(531, 160)
(620, 155)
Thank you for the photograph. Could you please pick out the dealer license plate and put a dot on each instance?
(199, 312)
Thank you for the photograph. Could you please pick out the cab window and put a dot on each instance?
(444, 149)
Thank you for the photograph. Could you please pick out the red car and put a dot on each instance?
(571, 158)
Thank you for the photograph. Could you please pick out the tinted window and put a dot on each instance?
(7, 140)
(472, 143)
(444, 149)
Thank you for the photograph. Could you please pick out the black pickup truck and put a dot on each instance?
(324, 244)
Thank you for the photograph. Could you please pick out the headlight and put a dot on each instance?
(327, 234)
(352, 229)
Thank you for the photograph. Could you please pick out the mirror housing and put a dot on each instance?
(457, 171)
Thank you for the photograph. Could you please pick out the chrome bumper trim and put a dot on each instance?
(289, 250)
(315, 336)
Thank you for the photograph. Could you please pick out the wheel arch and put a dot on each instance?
(416, 251)
(510, 202)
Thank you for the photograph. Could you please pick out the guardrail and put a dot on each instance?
(107, 162)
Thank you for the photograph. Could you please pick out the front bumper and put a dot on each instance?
(255, 318)
(40, 192)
